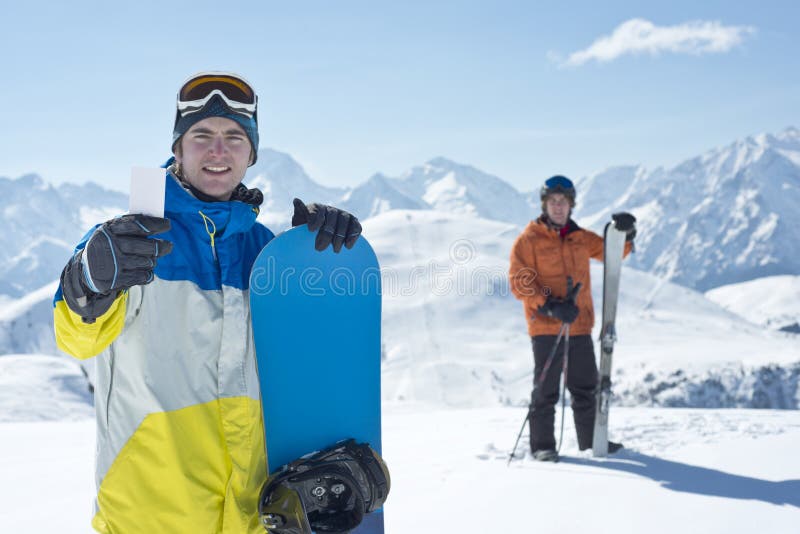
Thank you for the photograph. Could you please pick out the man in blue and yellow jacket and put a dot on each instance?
(180, 443)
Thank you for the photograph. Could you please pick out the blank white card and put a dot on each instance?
(147, 191)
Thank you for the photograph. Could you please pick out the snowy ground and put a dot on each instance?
(709, 471)
(683, 470)
(726, 471)
(454, 356)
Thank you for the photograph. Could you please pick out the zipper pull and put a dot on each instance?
(211, 233)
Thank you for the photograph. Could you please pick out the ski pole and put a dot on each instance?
(511, 456)
(536, 385)
(572, 294)
(564, 387)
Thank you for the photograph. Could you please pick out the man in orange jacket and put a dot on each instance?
(550, 250)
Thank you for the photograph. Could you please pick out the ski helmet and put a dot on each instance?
(217, 94)
(558, 184)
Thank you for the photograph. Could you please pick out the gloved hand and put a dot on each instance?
(564, 310)
(625, 222)
(333, 225)
(116, 257)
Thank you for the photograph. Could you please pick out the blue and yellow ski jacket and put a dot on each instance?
(180, 441)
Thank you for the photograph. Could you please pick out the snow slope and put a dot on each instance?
(35, 387)
(26, 324)
(455, 336)
(772, 301)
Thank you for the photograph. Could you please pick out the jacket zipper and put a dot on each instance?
(110, 389)
(211, 233)
(563, 258)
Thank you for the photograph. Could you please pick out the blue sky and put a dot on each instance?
(352, 88)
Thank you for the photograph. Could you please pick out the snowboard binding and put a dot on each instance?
(325, 491)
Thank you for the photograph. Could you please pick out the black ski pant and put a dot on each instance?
(581, 383)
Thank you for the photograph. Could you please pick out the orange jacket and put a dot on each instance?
(541, 260)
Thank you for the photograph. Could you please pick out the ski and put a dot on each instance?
(613, 250)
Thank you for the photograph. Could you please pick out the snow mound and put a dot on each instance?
(36, 387)
(773, 301)
(26, 324)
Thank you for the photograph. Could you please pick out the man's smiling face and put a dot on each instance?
(214, 155)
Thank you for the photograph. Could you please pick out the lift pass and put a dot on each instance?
(147, 191)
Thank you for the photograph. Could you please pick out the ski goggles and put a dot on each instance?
(234, 91)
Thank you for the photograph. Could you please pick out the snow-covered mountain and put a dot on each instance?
(606, 191)
(378, 195)
(282, 179)
(41, 224)
(439, 184)
(727, 216)
(445, 185)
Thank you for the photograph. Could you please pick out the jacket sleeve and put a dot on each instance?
(595, 246)
(522, 274)
(80, 339)
(83, 340)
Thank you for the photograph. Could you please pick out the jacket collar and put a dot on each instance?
(568, 228)
(230, 216)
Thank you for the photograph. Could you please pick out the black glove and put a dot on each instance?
(625, 222)
(335, 226)
(564, 309)
(117, 256)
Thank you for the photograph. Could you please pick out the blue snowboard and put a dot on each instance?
(317, 327)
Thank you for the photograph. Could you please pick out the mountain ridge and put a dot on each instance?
(725, 216)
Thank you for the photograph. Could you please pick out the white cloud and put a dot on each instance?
(639, 36)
